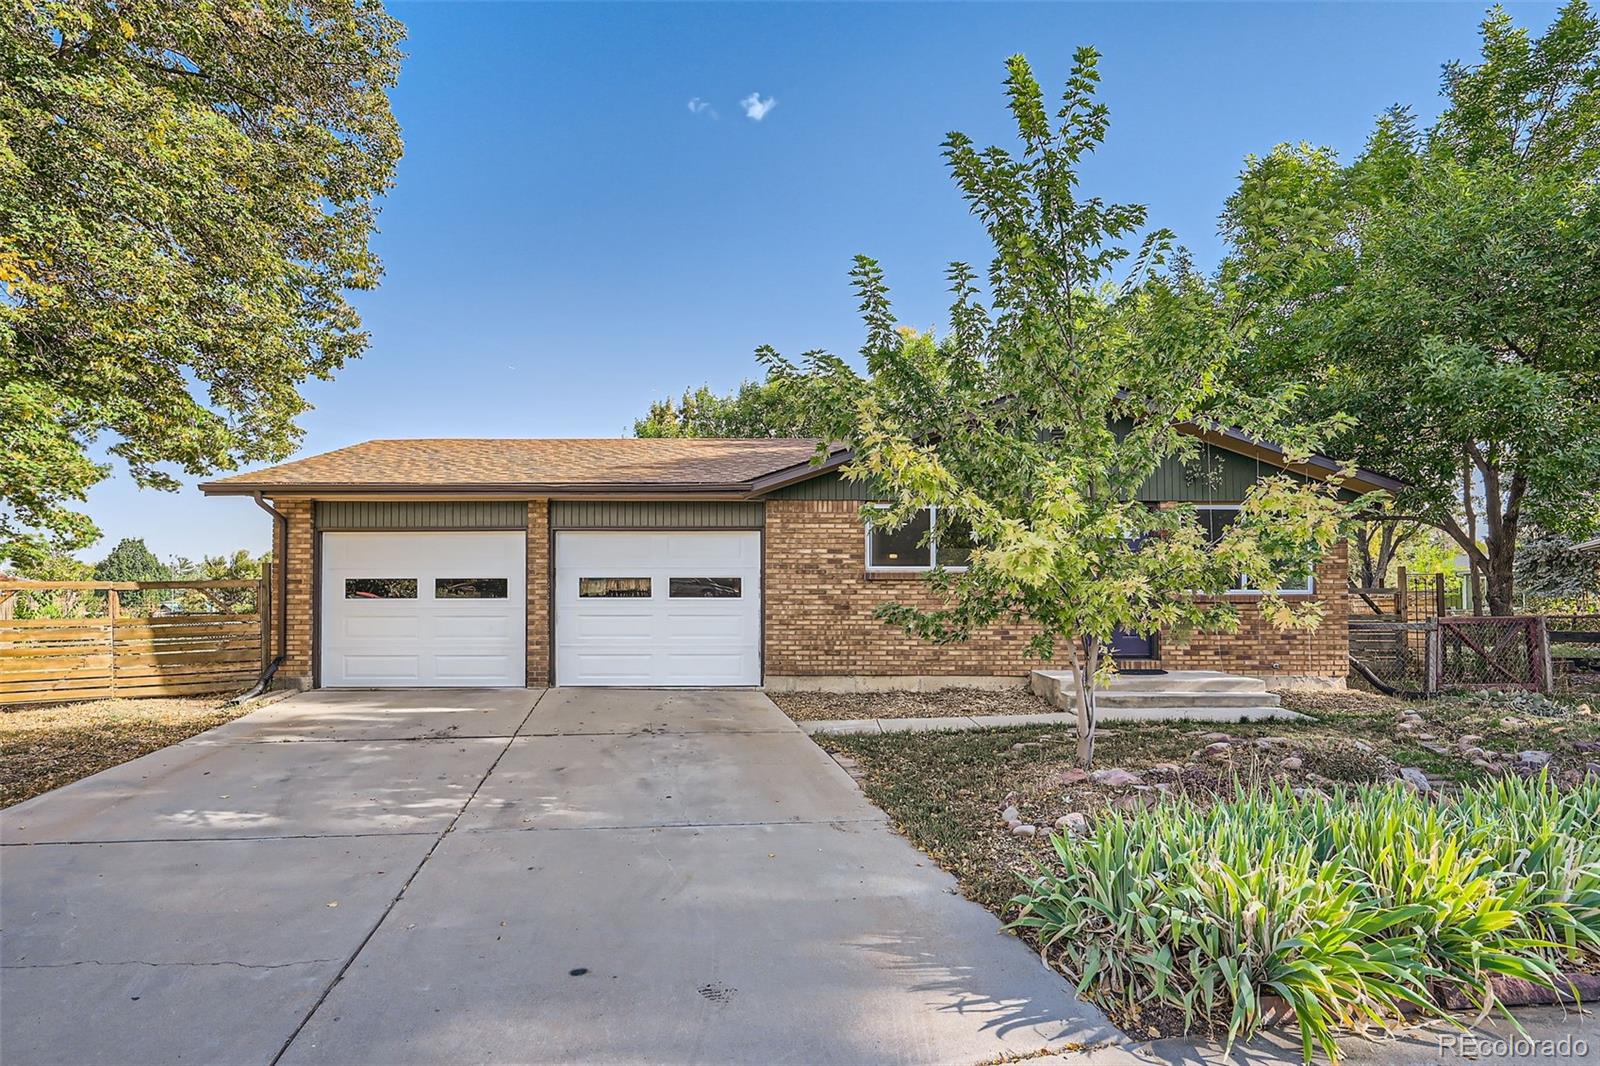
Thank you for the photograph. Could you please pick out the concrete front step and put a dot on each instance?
(1118, 697)
(1057, 685)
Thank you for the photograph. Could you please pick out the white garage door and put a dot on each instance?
(658, 608)
(406, 609)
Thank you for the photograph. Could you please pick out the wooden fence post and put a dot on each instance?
(1402, 594)
(113, 612)
(1539, 635)
(1433, 645)
(1439, 608)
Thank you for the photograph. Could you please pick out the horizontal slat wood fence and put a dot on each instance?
(58, 659)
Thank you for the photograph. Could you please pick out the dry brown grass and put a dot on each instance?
(945, 703)
(47, 747)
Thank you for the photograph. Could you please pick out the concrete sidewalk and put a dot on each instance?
(499, 876)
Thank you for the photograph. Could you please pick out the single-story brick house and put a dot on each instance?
(673, 562)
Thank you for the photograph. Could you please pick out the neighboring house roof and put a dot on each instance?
(611, 465)
(1588, 545)
(616, 466)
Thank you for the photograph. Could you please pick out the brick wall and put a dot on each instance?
(819, 600)
(296, 669)
(538, 593)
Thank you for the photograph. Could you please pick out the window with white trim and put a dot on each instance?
(926, 542)
(1215, 518)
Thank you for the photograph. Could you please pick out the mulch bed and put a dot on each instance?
(47, 747)
(944, 703)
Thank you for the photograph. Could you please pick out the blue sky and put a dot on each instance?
(570, 239)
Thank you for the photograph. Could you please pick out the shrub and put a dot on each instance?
(1350, 908)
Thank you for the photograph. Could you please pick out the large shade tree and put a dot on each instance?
(187, 192)
(1051, 400)
(1444, 289)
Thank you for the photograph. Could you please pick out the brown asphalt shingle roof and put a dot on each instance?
(479, 463)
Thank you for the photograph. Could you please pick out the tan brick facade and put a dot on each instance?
(538, 593)
(296, 670)
(819, 603)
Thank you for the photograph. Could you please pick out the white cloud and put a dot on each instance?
(756, 108)
(698, 106)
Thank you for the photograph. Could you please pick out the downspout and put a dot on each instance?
(281, 565)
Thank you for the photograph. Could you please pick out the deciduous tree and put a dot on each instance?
(1444, 290)
(1038, 417)
(187, 192)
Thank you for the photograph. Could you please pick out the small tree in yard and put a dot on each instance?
(1036, 419)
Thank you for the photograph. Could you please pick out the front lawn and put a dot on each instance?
(985, 803)
(47, 747)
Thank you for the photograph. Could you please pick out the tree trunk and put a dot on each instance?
(1498, 575)
(1088, 710)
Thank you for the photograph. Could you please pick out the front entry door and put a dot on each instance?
(1126, 645)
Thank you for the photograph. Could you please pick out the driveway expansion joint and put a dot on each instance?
(389, 908)
(173, 962)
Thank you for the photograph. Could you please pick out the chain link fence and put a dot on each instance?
(1451, 654)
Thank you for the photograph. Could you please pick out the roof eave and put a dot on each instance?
(529, 489)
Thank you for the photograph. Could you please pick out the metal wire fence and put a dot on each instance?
(1451, 654)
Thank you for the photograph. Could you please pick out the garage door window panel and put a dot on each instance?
(614, 588)
(380, 588)
(705, 588)
(470, 588)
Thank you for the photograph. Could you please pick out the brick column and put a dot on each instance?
(296, 669)
(538, 593)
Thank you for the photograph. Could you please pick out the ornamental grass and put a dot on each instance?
(1356, 911)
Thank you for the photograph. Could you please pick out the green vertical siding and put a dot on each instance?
(422, 514)
(829, 486)
(1214, 474)
(656, 514)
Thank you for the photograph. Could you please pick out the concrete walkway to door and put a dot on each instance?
(581, 875)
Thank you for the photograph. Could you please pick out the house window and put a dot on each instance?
(380, 588)
(1215, 518)
(469, 588)
(912, 548)
(614, 588)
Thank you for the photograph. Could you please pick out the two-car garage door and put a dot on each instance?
(631, 608)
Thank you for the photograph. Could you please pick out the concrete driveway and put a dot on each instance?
(498, 876)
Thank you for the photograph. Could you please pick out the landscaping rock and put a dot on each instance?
(1075, 776)
(1474, 754)
(1220, 750)
(1011, 814)
(1533, 758)
(1116, 777)
(1414, 777)
(1468, 740)
(1362, 746)
(1024, 830)
(1306, 793)
(1293, 762)
(1214, 738)
(1075, 823)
